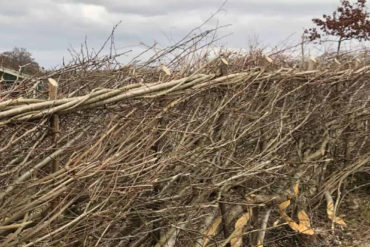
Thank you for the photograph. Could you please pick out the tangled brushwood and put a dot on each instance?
(225, 154)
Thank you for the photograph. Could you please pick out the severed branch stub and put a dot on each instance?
(53, 92)
(262, 233)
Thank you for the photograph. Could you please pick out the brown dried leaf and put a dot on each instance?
(330, 208)
(338, 220)
(284, 205)
(304, 219)
(302, 227)
(304, 223)
(242, 221)
(330, 212)
(290, 221)
(212, 230)
(237, 240)
(296, 189)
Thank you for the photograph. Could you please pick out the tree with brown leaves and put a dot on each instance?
(349, 21)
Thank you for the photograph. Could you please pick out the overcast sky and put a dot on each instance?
(47, 28)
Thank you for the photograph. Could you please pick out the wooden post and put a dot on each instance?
(312, 63)
(53, 92)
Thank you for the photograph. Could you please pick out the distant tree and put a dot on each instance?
(19, 58)
(349, 21)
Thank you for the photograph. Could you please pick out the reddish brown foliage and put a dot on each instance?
(349, 21)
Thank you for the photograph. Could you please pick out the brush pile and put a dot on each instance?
(189, 158)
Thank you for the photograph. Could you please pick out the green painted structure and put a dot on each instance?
(10, 76)
(8, 79)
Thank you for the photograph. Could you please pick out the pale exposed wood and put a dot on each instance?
(53, 95)
(261, 234)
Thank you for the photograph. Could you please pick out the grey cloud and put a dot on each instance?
(49, 27)
(164, 7)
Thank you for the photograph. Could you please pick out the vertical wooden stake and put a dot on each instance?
(53, 92)
(312, 63)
